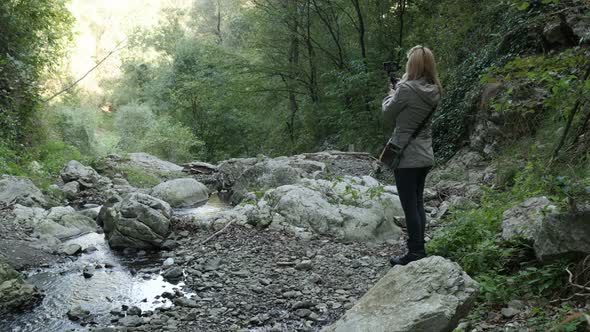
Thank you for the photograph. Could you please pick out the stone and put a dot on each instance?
(78, 313)
(86, 176)
(71, 249)
(134, 311)
(348, 209)
(88, 272)
(131, 321)
(563, 234)
(61, 222)
(271, 173)
(15, 292)
(181, 193)
(185, 302)
(168, 262)
(509, 312)
(434, 293)
(138, 221)
(305, 265)
(173, 273)
(17, 190)
(89, 249)
(524, 220)
(169, 245)
(71, 189)
(151, 164)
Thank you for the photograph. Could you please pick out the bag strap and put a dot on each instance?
(418, 130)
(423, 124)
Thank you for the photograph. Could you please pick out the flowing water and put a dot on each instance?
(108, 289)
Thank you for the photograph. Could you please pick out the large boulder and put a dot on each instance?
(151, 164)
(15, 292)
(429, 295)
(137, 221)
(352, 208)
(272, 173)
(58, 222)
(17, 190)
(561, 234)
(181, 193)
(524, 220)
(85, 175)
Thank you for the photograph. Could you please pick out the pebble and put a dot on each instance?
(169, 261)
(134, 311)
(88, 271)
(173, 273)
(305, 265)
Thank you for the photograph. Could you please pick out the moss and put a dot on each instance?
(139, 178)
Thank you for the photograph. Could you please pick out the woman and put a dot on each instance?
(409, 104)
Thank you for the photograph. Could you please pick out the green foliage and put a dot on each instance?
(171, 141)
(140, 129)
(508, 269)
(33, 39)
(139, 178)
(132, 122)
(76, 126)
(50, 156)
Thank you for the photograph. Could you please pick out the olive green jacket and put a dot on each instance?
(408, 107)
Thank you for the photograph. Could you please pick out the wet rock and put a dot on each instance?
(60, 222)
(78, 313)
(449, 296)
(134, 311)
(89, 249)
(15, 292)
(181, 193)
(524, 220)
(185, 302)
(17, 190)
(131, 321)
(138, 221)
(71, 249)
(173, 273)
(562, 234)
(88, 272)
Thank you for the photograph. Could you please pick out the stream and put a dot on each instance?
(131, 279)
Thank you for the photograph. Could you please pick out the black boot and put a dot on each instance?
(415, 252)
(407, 258)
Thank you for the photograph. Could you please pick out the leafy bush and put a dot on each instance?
(171, 141)
(140, 130)
(75, 126)
(132, 122)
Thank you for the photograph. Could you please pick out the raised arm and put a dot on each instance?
(394, 103)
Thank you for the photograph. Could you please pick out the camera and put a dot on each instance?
(391, 69)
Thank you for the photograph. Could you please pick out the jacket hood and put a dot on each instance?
(427, 91)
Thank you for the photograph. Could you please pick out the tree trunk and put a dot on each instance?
(293, 57)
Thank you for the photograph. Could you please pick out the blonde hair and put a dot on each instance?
(421, 64)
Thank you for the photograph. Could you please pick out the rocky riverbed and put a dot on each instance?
(304, 247)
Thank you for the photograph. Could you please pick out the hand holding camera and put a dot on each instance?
(391, 70)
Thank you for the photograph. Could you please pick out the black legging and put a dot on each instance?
(410, 186)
